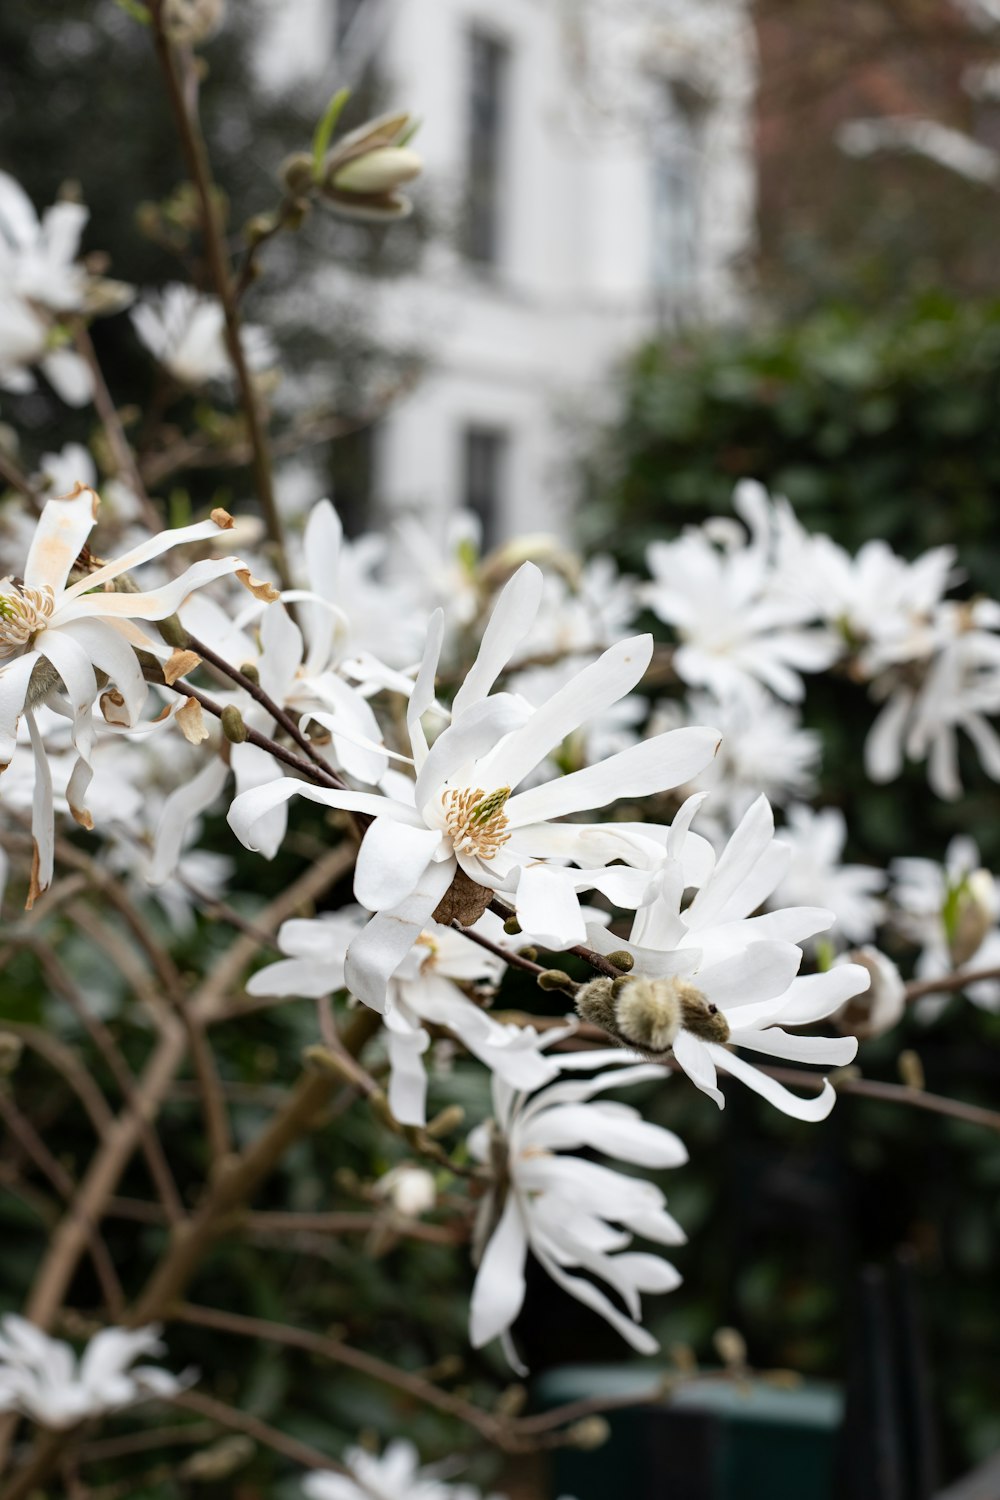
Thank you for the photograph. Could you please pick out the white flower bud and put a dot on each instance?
(972, 911)
(878, 1008)
(410, 1189)
(380, 171)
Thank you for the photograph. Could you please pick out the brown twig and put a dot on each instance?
(36, 1150)
(959, 980)
(182, 94)
(112, 424)
(261, 1432)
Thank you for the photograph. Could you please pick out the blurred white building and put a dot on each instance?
(595, 161)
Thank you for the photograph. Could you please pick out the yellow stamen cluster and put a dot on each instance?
(475, 821)
(23, 611)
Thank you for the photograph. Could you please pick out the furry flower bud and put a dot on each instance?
(647, 1014)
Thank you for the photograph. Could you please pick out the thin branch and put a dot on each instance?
(959, 980)
(159, 1168)
(112, 424)
(142, 1442)
(35, 1148)
(192, 140)
(278, 714)
(261, 1432)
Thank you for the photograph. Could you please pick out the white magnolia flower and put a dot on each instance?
(950, 912)
(571, 1213)
(74, 631)
(960, 689)
(426, 988)
(738, 971)
(465, 814)
(814, 875)
(185, 331)
(396, 1475)
(732, 624)
(765, 750)
(39, 279)
(42, 1378)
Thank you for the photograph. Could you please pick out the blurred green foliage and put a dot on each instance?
(872, 426)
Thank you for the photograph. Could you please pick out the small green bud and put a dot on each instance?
(512, 927)
(621, 959)
(173, 633)
(589, 1433)
(445, 1121)
(554, 979)
(528, 952)
(11, 1048)
(249, 671)
(233, 726)
(297, 173)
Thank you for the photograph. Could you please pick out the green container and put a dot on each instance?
(713, 1440)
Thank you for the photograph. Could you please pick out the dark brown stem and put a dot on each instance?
(278, 714)
(959, 980)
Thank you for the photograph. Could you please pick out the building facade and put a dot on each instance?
(591, 167)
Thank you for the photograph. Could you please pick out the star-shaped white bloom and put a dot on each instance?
(42, 1378)
(571, 1213)
(395, 1475)
(744, 968)
(950, 912)
(76, 630)
(465, 813)
(959, 689)
(38, 280)
(732, 624)
(815, 876)
(426, 988)
(185, 331)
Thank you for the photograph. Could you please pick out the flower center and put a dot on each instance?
(23, 611)
(476, 821)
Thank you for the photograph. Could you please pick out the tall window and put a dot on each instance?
(489, 62)
(485, 459)
(677, 146)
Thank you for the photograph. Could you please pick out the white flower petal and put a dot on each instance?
(391, 860)
(498, 1294)
(655, 765)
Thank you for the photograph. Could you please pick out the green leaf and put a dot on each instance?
(326, 127)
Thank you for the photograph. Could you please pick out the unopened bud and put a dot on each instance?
(410, 1189)
(970, 914)
(377, 172)
(878, 1008)
(445, 1122)
(11, 1048)
(233, 726)
(219, 1461)
(911, 1070)
(250, 672)
(731, 1347)
(554, 979)
(511, 1401)
(588, 1434)
(528, 952)
(260, 227)
(297, 174)
(512, 927)
(173, 633)
(621, 959)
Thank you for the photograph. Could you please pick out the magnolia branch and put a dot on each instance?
(182, 94)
